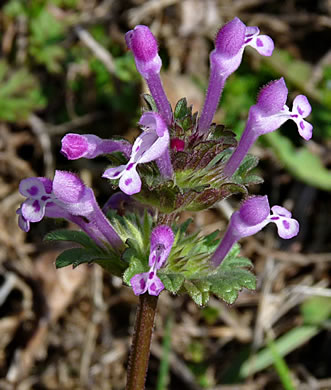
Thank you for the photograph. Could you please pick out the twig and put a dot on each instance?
(296, 258)
(136, 15)
(74, 123)
(177, 366)
(99, 51)
(39, 127)
(92, 330)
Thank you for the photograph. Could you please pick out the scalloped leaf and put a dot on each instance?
(189, 259)
(172, 282)
(77, 256)
(227, 284)
(72, 235)
(243, 174)
(198, 290)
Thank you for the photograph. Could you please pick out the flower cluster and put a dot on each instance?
(182, 159)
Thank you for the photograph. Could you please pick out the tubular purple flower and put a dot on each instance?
(89, 146)
(267, 115)
(162, 239)
(79, 200)
(145, 50)
(152, 144)
(254, 215)
(66, 197)
(230, 43)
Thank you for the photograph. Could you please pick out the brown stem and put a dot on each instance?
(141, 341)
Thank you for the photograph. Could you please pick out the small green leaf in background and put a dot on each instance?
(20, 93)
(163, 376)
(303, 164)
(46, 35)
(315, 310)
(210, 314)
(281, 367)
(285, 344)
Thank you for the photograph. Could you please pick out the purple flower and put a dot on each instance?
(254, 215)
(148, 62)
(89, 146)
(145, 50)
(230, 43)
(152, 143)
(267, 115)
(162, 239)
(65, 197)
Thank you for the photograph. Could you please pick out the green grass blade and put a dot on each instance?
(163, 376)
(281, 367)
(285, 344)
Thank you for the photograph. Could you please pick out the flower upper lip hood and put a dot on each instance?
(230, 38)
(142, 42)
(145, 50)
(255, 210)
(272, 97)
(89, 146)
(153, 121)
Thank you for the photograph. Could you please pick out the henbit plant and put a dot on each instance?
(179, 162)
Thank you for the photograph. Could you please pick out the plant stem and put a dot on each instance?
(141, 341)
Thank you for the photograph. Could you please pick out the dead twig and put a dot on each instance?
(39, 127)
(98, 50)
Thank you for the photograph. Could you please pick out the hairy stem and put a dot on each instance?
(141, 341)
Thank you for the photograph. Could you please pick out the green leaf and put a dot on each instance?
(73, 236)
(181, 109)
(281, 367)
(243, 174)
(284, 344)
(300, 162)
(77, 256)
(163, 375)
(198, 291)
(20, 94)
(46, 34)
(172, 282)
(136, 266)
(316, 310)
(227, 284)
(150, 102)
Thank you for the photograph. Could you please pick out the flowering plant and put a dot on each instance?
(180, 161)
